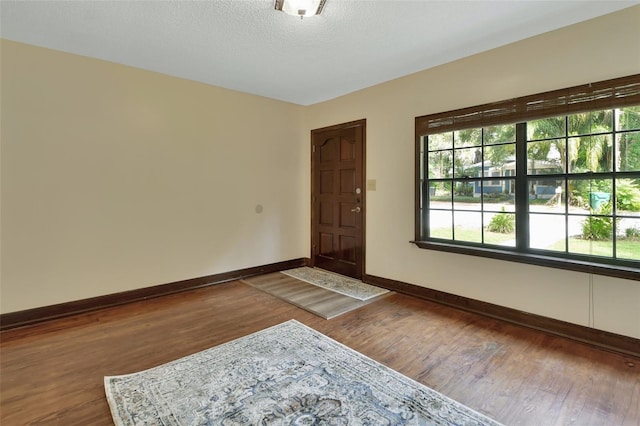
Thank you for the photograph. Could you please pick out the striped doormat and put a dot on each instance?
(322, 293)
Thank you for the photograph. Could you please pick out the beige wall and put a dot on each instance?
(592, 51)
(114, 178)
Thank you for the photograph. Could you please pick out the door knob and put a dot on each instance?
(356, 210)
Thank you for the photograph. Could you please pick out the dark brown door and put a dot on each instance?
(338, 207)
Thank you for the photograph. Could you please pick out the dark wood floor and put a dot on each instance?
(53, 373)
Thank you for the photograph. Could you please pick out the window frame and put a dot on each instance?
(610, 94)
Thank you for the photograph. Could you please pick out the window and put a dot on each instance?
(557, 185)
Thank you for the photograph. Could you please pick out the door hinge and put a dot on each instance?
(314, 148)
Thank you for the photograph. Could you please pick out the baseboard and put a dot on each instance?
(603, 339)
(46, 313)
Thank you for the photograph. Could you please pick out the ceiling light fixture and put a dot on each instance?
(300, 8)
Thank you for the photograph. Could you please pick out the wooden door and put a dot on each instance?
(338, 195)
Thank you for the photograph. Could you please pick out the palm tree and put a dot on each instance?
(576, 139)
(628, 143)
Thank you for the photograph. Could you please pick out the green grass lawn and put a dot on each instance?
(474, 235)
(626, 248)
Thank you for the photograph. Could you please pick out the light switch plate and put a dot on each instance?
(371, 185)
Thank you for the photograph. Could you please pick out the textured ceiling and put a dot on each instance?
(248, 46)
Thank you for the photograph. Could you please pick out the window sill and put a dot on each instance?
(618, 271)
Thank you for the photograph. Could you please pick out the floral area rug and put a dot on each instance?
(338, 283)
(288, 374)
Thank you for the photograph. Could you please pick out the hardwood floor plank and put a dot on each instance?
(52, 373)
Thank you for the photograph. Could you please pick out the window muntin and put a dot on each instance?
(595, 209)
(470, 175)
(582, 182)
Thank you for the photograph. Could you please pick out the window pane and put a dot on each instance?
(600, 198)
(590, 153)
(590, 122)
(579, 124)
(596, 238)
(468, 226)
(573, 148)
(440, 224)
(600, 153)
(500, 229)
(628, 151)
(547, 231)
(587, 195)
(500, 134)
(602, 121)
(628, 118)
(628, 240)
(546, 194)
(499, 194)
(594, 235)
(440, 195)
(465, 162)
(501, 160)
(628, 197)
(546, 157)
(546, 128)
(440, 164)
(440, 141)
(468, 137)
(463, 195)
